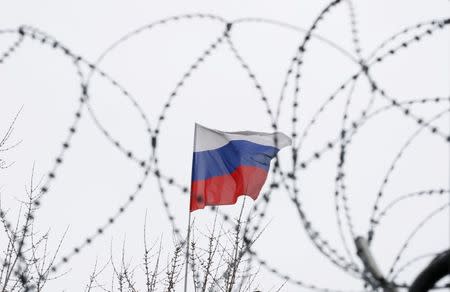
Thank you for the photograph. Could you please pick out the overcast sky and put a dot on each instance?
(95, 178)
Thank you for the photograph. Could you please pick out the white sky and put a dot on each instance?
(96, 178)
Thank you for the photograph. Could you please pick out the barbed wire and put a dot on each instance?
(282, 179)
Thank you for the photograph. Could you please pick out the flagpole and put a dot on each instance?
(189, 217)
(187, 252)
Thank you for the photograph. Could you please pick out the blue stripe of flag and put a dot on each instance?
(224, 160)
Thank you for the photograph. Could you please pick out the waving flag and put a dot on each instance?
(227, 165)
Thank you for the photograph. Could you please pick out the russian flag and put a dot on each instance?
(227, 165)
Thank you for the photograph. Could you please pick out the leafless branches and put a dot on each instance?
(26, 259)
(221, 265)
(4, 141)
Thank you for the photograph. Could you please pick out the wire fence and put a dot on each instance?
(285, 178)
